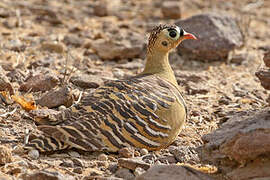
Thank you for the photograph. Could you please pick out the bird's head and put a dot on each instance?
(167, 37)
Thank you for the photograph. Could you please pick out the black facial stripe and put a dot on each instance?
(181, 32)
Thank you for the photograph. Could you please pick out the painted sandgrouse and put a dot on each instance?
(145, 111)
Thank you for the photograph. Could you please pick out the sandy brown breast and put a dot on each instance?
(144, 111)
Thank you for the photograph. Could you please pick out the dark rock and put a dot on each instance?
(173, 172)
(264, 77)
(77, 162)
(171, 9)
(73, 40)
(132, 163)
(100, 9)
(124, 173)
(241, 140)
(45, 175)
(86, 81)
(56, 98)
(217, 36)
(5, 85)
(78, 170)
(39, 82)
(113, 167)
(266, 59)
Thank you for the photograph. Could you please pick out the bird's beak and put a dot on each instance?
(189, 36)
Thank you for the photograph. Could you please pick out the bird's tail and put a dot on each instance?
(46, 144)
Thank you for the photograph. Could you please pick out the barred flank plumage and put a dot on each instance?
(145, 111)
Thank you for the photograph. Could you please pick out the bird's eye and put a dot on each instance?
(172, 34)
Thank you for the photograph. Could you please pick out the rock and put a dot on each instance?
(138, 171)
(78, 170)
(4, 177)
(56, 98)
(171, 9)
(15, 45)
(74, 154)
(149, 158)
(264, 77)
(5, 85)
(173, 172)
(133, 163)
(86, 81)
(217, 36)
(167, 159)
(143, 151)
(100, 178)
(5, 155)
(45, 116)
(257, 170)
(113, 167)
(53, 47)
(126, 152)
(34, 154)
(127, 46)
(73, 40)
(67, 163)
(102, 157)
(124, 173)
(241, 140)
(45, 175)
(266, 58)
(77, 162)
(193, 83)
(131, 65)
(239, 58)
(184, 154)
(39, 82)
(100, 9)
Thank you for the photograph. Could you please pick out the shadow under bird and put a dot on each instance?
(144, 111)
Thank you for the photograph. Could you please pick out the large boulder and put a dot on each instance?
(123, 45)
(173, 172)
(217, 36)
(243, 141)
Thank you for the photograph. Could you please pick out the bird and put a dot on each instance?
(143, 111)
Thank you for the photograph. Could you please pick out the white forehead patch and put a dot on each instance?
(177, 29)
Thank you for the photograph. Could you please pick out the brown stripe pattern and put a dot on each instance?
(119, 114)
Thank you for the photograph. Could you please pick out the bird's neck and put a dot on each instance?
(158, 63)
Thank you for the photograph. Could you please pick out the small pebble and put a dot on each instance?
(33, 154)
(74, 154)
(138, 171)
(62, 108)
(143, 151)
(126, 152)
(78, 170)
(102, 157)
